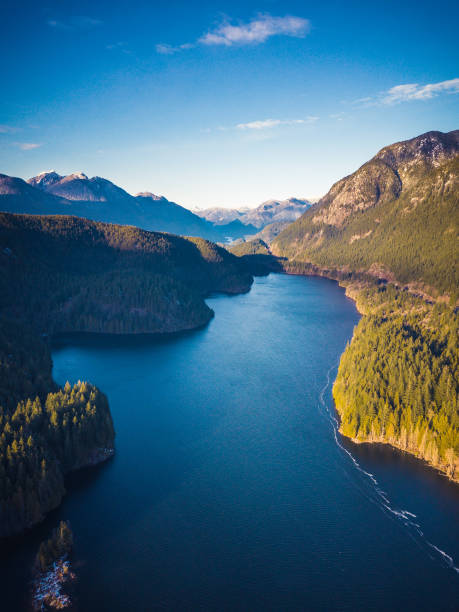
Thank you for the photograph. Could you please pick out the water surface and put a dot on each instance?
(230, 489)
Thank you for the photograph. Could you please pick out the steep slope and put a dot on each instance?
(17, 196)
(171, 217)
(396, 218)
(270, 232)
(392, 225)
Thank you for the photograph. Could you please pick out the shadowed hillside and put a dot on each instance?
(65, 274)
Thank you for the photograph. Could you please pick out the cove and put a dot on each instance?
(230, 489)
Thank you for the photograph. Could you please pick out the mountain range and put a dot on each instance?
(271, 211)
(99, 199)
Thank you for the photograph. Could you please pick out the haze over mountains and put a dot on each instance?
(271, 211)
(99, 199)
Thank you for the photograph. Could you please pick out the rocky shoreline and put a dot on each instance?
(49, 588)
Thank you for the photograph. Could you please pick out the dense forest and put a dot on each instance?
(40, 442)
(65, 274)
(256, 257)
(71, 274)
(389, 232)
(398, 379)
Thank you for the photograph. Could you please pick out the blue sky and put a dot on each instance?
(221, 103)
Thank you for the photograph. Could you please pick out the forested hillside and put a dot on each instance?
(396, 218)
(71, 274)
(398, 379)
(65, 274)
(396, 221)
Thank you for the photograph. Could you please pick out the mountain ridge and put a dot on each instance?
(394, 218)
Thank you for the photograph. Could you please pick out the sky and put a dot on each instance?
(221, 103)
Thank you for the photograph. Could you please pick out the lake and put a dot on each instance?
(230, 488)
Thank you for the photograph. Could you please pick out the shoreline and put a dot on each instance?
(352, 287)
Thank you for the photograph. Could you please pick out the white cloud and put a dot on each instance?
(414, 91)
(80, 22)
(256, 31)
(27, 146)
(270, 123)
(409, 92)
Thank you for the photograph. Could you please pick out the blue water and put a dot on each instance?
(230, 488)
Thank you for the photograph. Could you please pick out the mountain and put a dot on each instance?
(220, 215)
(65, 273)
(395, 218)
(271, 231)
(16, 195)
(79, 187)
(389, 233)
(272, 211)
(99, 199)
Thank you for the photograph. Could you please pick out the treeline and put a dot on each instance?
(398, 379)
(40, 442)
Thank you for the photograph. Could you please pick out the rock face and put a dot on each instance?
(396, 217)
(395, 168)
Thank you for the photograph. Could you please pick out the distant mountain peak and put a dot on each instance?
(152, 196)
(268, 212)
(44, 179)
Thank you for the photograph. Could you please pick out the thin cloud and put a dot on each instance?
(80, 22)
(27, 146)
(254, 32)
(8, 129)
(165, 49)
(120, 46)
(409, 92)
(414, 91)
(271, 123)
